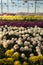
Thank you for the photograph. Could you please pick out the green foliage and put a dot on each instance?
(2, 51)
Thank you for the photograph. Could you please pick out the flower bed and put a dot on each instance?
(19, 17)
(21, 23)
(21, 45)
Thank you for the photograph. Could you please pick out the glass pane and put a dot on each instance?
(39, 7)
(31, 6)
(15, 6)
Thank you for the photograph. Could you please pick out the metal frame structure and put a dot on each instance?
(7, 4)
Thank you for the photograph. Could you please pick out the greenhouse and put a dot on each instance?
(14, 6)
(21, 32)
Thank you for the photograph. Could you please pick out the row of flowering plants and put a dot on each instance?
(13, 59)
(21, 23)
(21, 45)
(18, 17)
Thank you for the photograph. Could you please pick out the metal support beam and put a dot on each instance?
(1, 7)
(7, 6)
(35, 6)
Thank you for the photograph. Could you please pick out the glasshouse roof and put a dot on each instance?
(26, 6)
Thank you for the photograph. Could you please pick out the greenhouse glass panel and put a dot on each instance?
(39, 7)
(15, 6)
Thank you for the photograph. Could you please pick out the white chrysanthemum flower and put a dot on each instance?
(26, 48)
(26, 35)
(25, 58)
(34, 34)
(23, 35)
(25, 31)
(23, 55)
(15, 27)
(35, 29)
(1, 26)
(39, 30)
(20, 35)
(29, 31)
(4, 44)
(15, 39)
(34, 42)
(32, 39)
(30, 49)
(11, 32)
(39, 44)
(38, 50)
(42, 47)
(4, 33)
(8, 41)
(41, 33)
(21, 49)
(31, 28)
(12, 49)
(9, 28)
(16, 46)
(0, 29)
(22, 32)
(1, 35)
(5, 30)
(35, 38)
(31, 54)
(17, 30)
(26, 43)
(12, 41)
(37, 35)
(4, 37)
(17, 33)
(24, 38)
(19, 41)
(6, 26)
(28, 38)
(30, 46)
(40, 38)
(21, 28)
